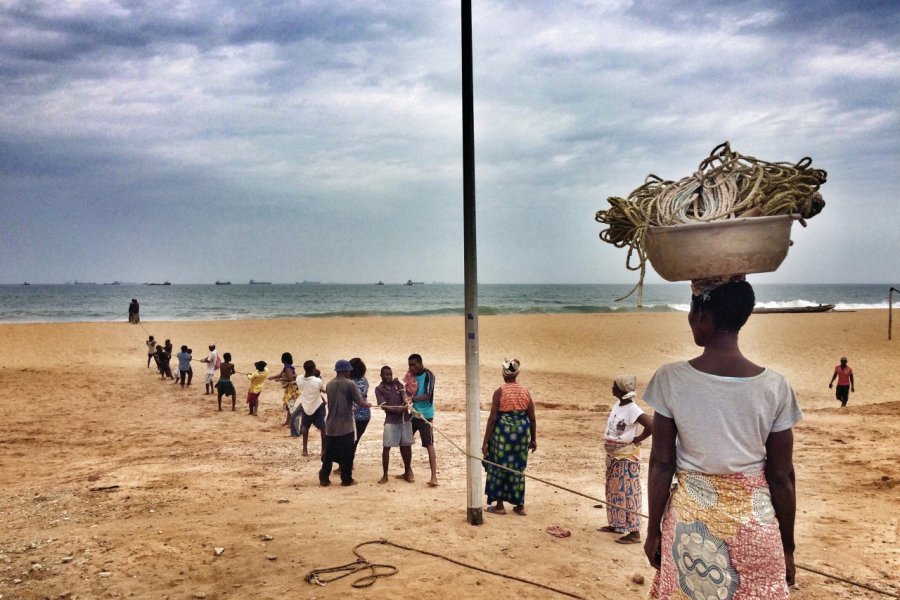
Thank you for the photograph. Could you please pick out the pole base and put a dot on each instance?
(474, 516)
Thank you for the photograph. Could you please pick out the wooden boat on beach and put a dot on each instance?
(794, 309)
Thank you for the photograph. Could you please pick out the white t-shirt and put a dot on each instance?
(211, 367)
(723, 422)
(311, 389)
(622, 424)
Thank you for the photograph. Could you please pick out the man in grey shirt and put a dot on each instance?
(340, 430)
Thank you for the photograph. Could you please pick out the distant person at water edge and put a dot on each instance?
(340, 433)
(510, 433)
(724, 428)
(224, 385)
(134, 313)
(392, 399)
(257, 381)
(311, 408)
(212, 363)
(184, 366)
(288, 379)
(361, 414)
(844, 375)
(151, 349)
(623, 461)
(419, 384)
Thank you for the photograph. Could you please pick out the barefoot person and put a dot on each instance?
(257, 380)
(623, 462)
(340, 432)
(391, 397)
(288, 379)
(419, 383)
(212, 363)
(724, 425)
(224, 386)
(311, 408)
(510, 433)
(844, 375)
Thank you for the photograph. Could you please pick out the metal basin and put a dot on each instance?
(718, 248)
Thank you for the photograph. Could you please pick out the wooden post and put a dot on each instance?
(470, 259)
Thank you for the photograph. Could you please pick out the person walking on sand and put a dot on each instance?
(844, 375)
(288, 379)
(623, 461)
(134, 313)
(311, 408)
(224, 385)
(391, 397)
(340, 432)
(724, 426)
(510, 433)
(257, 381)
(419, 384)
(212, 363)
(151, 349)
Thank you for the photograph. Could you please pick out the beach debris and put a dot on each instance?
(726, 185)
(37, 567)
(271, 557)
(218, 551)
(66, 559)
(104, 488)
(638, 579)
(200, 595)
(282, 501)
(266, 538)
(17, 581)
(557, 531)
(105, 574)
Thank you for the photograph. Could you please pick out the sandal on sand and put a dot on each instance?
(495, 511)
(520, 511)
(607, 529)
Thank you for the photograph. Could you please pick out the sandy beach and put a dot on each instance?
(115, 484)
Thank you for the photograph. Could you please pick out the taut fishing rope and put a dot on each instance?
(726, 185)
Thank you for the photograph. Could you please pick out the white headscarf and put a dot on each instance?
(627, 383)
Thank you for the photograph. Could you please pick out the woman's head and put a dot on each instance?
(624, 386)
(510, 368)
(359, 368)
(726, 307)
(287, 359)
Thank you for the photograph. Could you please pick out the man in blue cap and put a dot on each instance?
(340, 429)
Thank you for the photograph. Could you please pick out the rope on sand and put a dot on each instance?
(726, 185)
(378, 570)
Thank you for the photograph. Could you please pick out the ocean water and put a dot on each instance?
(90, 302)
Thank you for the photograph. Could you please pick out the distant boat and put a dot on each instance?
(254, 282)
(794, 309)
(411, 282)
(380, 282)
(163, 283)
(114, 283)
(223, 282)
(76, 282)
(308, 282)
(26, 283)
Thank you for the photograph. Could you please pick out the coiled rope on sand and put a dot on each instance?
(726, 185)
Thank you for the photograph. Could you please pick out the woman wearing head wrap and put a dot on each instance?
(511, 431)
(723, 427)
(623, 461)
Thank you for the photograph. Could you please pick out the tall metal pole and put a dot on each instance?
(470, 258)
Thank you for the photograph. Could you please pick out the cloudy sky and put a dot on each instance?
(321, 140)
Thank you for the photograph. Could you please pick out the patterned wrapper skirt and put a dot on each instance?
(291, 393)
(508, 447)
(623, 486)
(720, 539)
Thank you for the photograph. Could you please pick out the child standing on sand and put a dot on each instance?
(288, 379)
(151, 349)
(224, 385)
(257, 381)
